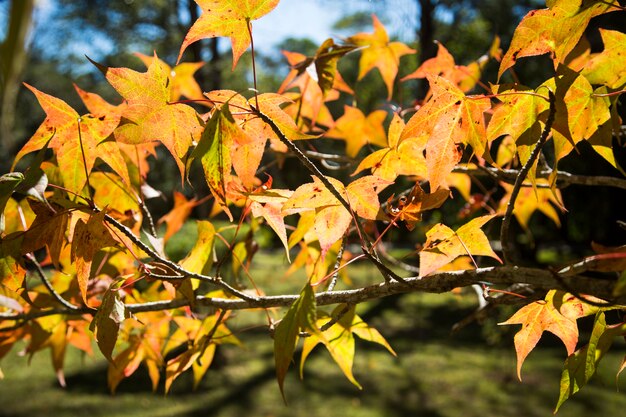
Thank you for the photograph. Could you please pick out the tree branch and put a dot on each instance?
(562, 177)
(539, 279)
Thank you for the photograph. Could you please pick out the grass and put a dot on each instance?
(471, 373)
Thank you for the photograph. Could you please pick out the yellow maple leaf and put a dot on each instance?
(380, 53)
(358, 130)
(229, 18)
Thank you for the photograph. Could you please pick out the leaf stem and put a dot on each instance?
(82, 152)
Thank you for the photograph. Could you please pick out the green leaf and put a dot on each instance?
(581, 366)
(339, 340)
(302, 316)
(8, 184)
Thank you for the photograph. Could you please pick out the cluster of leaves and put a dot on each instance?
(97, 264)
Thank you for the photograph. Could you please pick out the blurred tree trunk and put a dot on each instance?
(211, 77)
(426, 38)
(12, 58)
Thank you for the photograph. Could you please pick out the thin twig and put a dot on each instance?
(506, 221)
(366, 244)
(46, 282)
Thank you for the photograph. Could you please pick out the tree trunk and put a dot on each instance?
(13, 58)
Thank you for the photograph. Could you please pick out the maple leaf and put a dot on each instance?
(214, 152)
(89, 238)
(339, 339)
(201, 255)
(555, 30)
(268, 203)
(529, 200)
(410, 208)
(400, 158)
(331, 217)
(607, 67)
(77, 140)
(182, 81)
(48, 229)
(581, 366)
(106, 323)
(301, 316)
(449, 118)
(536, 318)
(358, 130)
(379, 53)
(464, 77)
(149, 115)
(310, 102)
(443, 245)
(229, 18)
(178, 215)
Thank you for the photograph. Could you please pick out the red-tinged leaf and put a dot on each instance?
(358, 130)
(362, 195)
(447, 120)
(228, 18)
(330, 225)
(106, 323)
(555, 30)
(270, 105)
(108, 150)
(464, 77)
(410, 208)
(302, 316)
(313, 195)
(149, 115)
(400, 158)
(536, 318)
(379, 53)
(581, 366)
(175, 219)
(201, 256)
(443, 245)
(89, 238)
(182, 81)
(76, 151)
(607, 67)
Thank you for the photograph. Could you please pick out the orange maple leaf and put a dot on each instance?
(176, 217)
(182, 81)
(379, 53)
(149, 115)
(89, 237)
(464, 77)
(229, 18)
(535, 319)
(358, 130)
(77, 150)
(448, 119)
